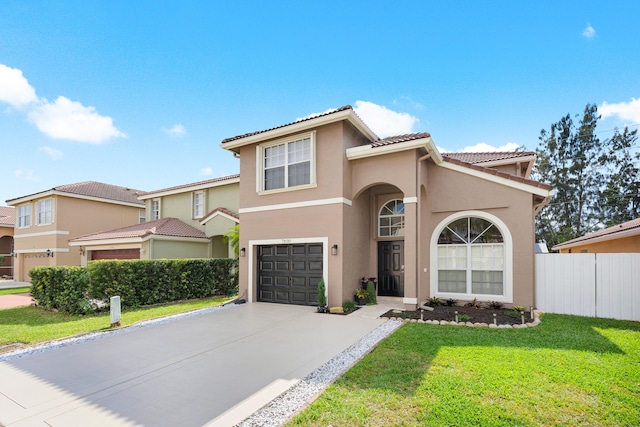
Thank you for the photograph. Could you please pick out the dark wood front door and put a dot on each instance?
(391, 268)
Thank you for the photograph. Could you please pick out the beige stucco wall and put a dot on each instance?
(629, 244)
(72, 217)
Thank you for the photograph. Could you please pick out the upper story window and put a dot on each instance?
(287, 163)
(391, 219)
(155, 209)
(24, 216)
(471, 258)
(45, 211)
(198, 204)
(142, 216)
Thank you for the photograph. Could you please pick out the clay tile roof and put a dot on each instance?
(98, 190)
(607, 232)
(194, 184)
(226, 211)
(474, 158)
(400, 138)
(234, 138)
(161, 227)
(7, 216)
(498, 173)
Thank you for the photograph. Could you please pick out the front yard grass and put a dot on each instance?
(32, 325)
(569, 370)
(12, 291)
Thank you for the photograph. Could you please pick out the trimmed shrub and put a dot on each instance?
(61, 288)
(371, 293)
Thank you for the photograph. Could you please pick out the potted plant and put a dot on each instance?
(361, 296)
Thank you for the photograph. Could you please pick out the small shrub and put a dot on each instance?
(495, 305)
(349, 306)
(463, 317)
(403, 315)
(474, 303)
(451, 302)
(322, 297)
(362, 293)
(371, 293)
(513, 314)
(518, 308)
(434, 302)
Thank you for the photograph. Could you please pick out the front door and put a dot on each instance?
(391, 268)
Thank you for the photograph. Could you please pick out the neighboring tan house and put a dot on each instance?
(7, 223)
(621, 238)
(186, 221)
(324, 197)
(46, 221)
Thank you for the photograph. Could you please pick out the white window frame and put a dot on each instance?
(155, 213)
(24, 219)
(48, 213)
(142, 216)
(380, 216)
(260, 166)
(194, 208)
(507, 296)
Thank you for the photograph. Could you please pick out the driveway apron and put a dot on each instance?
(214, 368)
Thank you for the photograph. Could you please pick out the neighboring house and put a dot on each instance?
(7, 223)
(621, 238)
(324, 197)
(186, 221)
(45, 221)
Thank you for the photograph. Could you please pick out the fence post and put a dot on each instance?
(115, 311)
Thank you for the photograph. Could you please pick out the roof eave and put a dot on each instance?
(301, 126)
(611, 236)
(50, 193)
(187, 189)
(365, 151)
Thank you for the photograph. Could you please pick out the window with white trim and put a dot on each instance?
(287, 163)
(142, 216)
(155, 209)
(198, 204)
(471, 258)
(391, 219)
(24, 216)
(45, 211)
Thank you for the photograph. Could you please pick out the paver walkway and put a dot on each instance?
(214, 368)
(15, 300)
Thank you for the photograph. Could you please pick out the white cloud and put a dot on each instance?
(27, 175)
(206, 171)
(629, 111)
(385, 122)
(176, 130)
(66, 119)
(312, 115)
(483, 147)
(14, 88)
(51, 152)
(589, 32)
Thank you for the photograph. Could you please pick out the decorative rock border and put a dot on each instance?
(535, 322)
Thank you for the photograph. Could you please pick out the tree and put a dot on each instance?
(620, 200)
(568, 157)
(232, 237)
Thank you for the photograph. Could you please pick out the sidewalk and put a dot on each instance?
(10, 284)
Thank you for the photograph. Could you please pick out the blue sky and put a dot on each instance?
(141, 93)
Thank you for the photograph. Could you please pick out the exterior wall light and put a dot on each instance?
(49, 253)
(334, 250)
(243, 252)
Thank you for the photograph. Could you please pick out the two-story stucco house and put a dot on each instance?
(324, 197)
(7, 224)
(185, 221)
(45, 221)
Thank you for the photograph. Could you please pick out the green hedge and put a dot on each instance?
(78, 289)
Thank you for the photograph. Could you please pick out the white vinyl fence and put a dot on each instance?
(594, 285)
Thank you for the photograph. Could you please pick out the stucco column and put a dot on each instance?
(410, 252)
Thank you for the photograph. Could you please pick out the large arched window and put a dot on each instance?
(472, 259)
(391, 219)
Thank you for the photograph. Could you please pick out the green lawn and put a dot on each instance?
(12, 291)
(32, 325)
(569, 370)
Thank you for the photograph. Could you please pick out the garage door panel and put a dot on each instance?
(297, 271)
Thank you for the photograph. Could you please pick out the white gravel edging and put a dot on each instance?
(279, 410)
(65, 342)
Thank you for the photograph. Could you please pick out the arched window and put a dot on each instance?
(391, 219)
(472, 258)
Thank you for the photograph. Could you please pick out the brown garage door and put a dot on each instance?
(115, 254)
(289, 274)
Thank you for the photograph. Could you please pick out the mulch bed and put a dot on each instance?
(477, 315)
